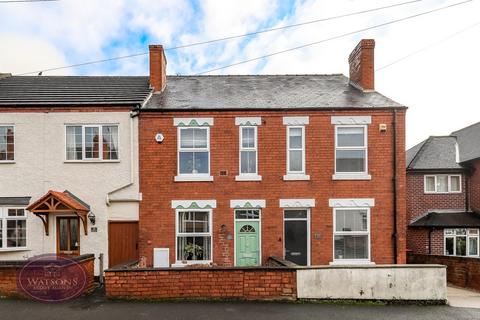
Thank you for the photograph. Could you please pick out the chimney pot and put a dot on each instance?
(158, 68)
(361, 61)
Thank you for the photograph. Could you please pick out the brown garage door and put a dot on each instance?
(122, 242)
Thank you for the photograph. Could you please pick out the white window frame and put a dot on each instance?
(100, 146)
(4, 218)
(467, 236)
(449, 187)
(193, 176)
(309, 252)
(296, 175)
(352, 175)
(248, 176)
(14, 146)
(352, 233)
(200, 234)
(235, 233)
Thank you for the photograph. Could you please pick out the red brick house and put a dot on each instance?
(237, 168)
(443, 188)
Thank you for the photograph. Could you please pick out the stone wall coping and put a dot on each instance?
(8, 264)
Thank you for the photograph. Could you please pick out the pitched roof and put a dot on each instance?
(66, 197)
(468, 142)
(223, 92)
(76, 90)
(434, 153)
(14, 201)
(448, 220)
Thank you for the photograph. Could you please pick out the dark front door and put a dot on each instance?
(122, 242)
(68, 236)
(296, 236)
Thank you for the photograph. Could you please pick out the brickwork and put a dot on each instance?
(461, 271)
(249, 283)
(474, 186)
(158, 168)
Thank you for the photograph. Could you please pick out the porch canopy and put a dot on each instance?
(56, 202)
(453, 219)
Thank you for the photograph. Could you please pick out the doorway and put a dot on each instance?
(297, 236)
(68, 236)
(247, 238)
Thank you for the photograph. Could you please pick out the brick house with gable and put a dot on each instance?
(443, 188)
(237, 168)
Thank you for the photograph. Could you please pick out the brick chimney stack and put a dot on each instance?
(158, 68)
(361, 61)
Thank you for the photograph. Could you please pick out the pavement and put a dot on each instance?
(463, 298)
(97, 307)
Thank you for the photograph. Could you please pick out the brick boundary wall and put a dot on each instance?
(251, 283)
(461, 271)
(9, 271)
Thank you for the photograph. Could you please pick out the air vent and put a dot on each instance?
(223, 173)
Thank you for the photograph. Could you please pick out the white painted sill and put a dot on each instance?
(14, 249)
(7, 162)
(91, 161)
(180, 264)
(351, 176)
(351, 262)
(193, 178)
(247, 177)
(294, 177)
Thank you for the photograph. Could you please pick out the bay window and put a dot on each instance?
(442, 183)
(461, 242)
(351, 234)
(7, 146)
(194, 236)
(13, 228)
(351, 149)
(91, 142)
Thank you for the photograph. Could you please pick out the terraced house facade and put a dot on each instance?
(235, 169)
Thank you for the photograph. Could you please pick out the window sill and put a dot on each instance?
(193, 178)
(180, 264)
(246, 177)
(351, 262)
(7, 162)
(351, 176)
(453, 192)
(91, 161)
(14, 249)
(293, 177)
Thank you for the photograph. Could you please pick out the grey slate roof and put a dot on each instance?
(72, 90)
(448, 220)
(14, 201)
(223, 92)
(433, 153)
(468, 142)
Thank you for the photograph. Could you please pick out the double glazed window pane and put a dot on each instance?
(350, 137)
(442, 183)
(351, 247)
(247, 214)
(193, 248)
(195, 245)
(110, 142)
(296, 163)
(248, 138)
(295, 152)
(74, 143)
(351, 160)
(248, 162)
(193, 162)
(454, 183)
(193, 222)
(193, 138)
(92, 142)
(6, 143)
(16, 233)
(295, 138)
(449, 246)
(430, 184)
(473, 246)
(461, 246)
(351, 220)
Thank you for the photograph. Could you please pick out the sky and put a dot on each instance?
(438, 83)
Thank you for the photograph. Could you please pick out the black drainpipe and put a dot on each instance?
(394, 184)
(466, 175)
(430, 240)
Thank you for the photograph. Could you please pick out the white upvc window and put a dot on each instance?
(443, 183)
(351, 149)
(351, 235)
(296, 150)
(7, 143)
(194, 236)
(461, 242)
(91, 142)
(248, 151)
(193, 154)
(13, 228)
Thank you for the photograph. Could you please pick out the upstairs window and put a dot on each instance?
(248, 150)
(461, 242)
(92, 142)
(7, 146)
(13, 228)
(443, 183)
(194, 151)
(351, 149)
(296, 150)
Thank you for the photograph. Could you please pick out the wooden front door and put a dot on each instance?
(68, 235)
(122, 242)
(247, 243)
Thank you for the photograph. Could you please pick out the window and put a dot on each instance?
(92, 142)
(13, 228)
(443, 183)
(295, 150)
(461, 242)
(7, 146)
(352, 234)
(243, 214)
(193, 151)
(248, 150)
(194, 236)
(351, 149)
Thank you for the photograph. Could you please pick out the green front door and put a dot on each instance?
(247, 243)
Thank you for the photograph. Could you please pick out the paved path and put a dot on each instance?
(462, 298)
(97, 308)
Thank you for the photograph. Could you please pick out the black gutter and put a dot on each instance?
(275, 109)
(394, 185)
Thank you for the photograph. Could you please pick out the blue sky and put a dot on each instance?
(438, 84)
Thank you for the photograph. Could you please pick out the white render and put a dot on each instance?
(110, 188)
(386, 282)
(297, 203)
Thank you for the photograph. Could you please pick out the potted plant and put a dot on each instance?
(193, 250)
